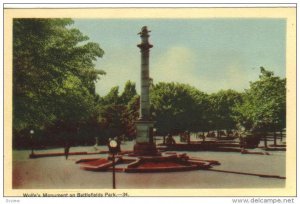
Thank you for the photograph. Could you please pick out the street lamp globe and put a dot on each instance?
(113, 143)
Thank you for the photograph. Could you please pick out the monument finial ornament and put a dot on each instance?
(144, 31)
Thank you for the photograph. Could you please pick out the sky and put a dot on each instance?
(209, 54)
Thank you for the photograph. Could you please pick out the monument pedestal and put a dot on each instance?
(145, 149)
(144, 141)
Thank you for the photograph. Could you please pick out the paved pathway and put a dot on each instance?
(56, 172)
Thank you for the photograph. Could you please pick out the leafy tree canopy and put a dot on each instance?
(53, 72)
(128, 93)
(177, 107)
(221, 108)
(264, 104)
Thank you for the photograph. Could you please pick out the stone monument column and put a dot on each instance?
(144, 126)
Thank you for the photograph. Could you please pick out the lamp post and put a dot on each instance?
(31, 138)
(113, 148)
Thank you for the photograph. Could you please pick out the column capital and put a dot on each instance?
(144, 46)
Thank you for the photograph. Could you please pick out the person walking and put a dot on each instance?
(67, 149)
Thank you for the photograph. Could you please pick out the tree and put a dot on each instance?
(222, 104)
(119, 112)
(178, 107)
(128, 93)
(264, 104)
(112, 97)
(132, 116)
(53, 73)
(113, 120)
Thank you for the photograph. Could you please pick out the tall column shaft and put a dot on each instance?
(144, 100)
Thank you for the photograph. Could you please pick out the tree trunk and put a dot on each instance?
(265, 140)
(275, 138)
(188, 138)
